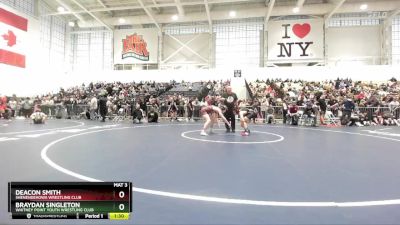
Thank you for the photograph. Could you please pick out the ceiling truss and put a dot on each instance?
(154, 10)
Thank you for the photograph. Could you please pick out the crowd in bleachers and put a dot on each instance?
(121, 99)
(365, 102)
(118, 95)
(355, 102)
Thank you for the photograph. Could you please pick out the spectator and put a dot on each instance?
(356, 119)
(322, 106)
(137, 114)
(13, 106)
(190, 109)
(284, 110)
(27, 107)
(103, 106)
(293, 115)
(270, 118)
(173, 108)
(196, 109)
(333, 105)
(3, 107)
(393, 104)
(348, 108)
(377, 117)
(310, 112)
(93, 107)
(152, 116)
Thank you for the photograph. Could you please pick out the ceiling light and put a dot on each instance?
(60, 9)
(175, 17)
(71, 23)
(363, 6)
(121, 20)
(296, 9)
(232, 13)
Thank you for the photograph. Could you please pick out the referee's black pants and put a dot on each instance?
(230, 116)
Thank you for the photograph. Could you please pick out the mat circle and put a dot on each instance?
(279, 138)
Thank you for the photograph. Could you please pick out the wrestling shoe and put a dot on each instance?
(203, 133)
(245, 133)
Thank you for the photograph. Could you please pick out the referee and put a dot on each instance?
(230, 100)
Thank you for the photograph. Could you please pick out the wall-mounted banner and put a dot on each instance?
(295, 40)
(135, 46)
(13, 35)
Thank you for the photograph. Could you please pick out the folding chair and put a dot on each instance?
(301, 118)
(117, 118)
(330, 119)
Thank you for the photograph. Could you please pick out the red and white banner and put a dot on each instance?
(13, 33)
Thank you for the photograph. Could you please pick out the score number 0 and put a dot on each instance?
(121, 194)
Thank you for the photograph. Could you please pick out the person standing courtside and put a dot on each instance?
(230, 100)
(103, 106)
(93, 107)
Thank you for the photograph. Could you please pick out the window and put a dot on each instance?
(238, 42)
(187, 28)
(92, 49)
(396, 40)
(57, 49)
(45, 29)
(24, 6)
(52, 36)
(81, 53)
(356, 19)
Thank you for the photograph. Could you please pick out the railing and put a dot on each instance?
(278, 112)
(396, 113)
(73, 111)
(78, 111)
(372, 110)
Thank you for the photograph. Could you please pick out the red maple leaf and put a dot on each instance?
(11, 38)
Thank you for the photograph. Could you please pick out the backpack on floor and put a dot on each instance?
(87, 114)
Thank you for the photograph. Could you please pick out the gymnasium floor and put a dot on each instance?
(278, 175)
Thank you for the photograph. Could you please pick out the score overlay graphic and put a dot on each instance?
(70, 200)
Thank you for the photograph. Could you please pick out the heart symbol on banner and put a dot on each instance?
(301, 30)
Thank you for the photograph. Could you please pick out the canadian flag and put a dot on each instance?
(13, 32)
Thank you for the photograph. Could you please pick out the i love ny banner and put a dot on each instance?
(295, 40)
